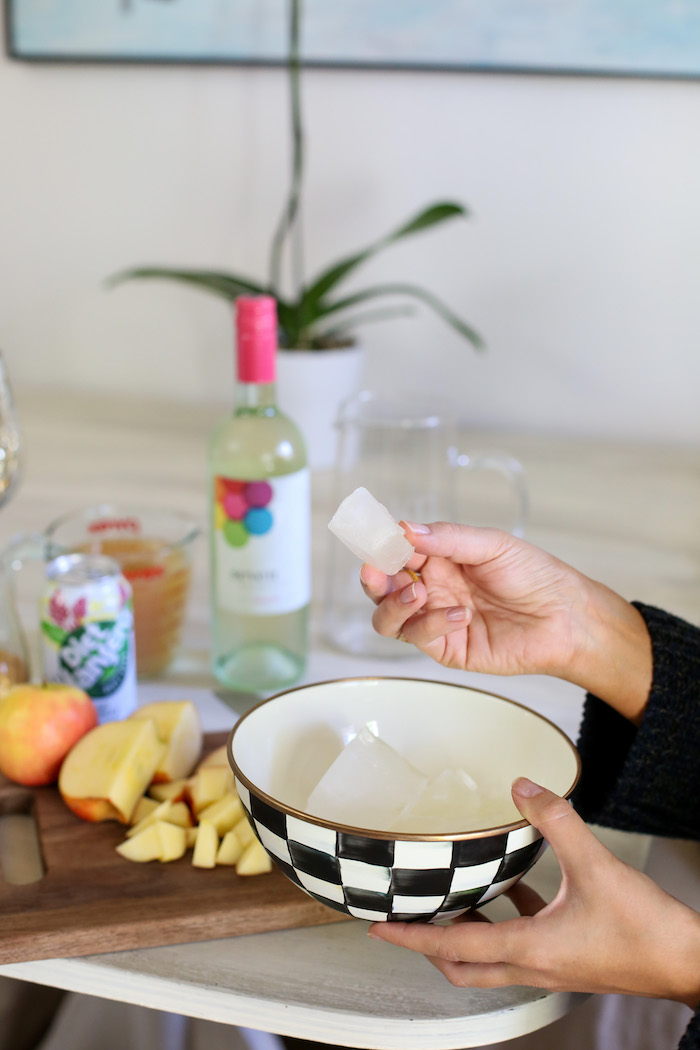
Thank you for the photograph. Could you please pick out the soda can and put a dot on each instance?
(87, 631)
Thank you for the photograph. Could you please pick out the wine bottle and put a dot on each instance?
(260, 550)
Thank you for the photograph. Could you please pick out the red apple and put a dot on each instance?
(39, 724)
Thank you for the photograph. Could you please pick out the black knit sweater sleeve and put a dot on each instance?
(648, 779)
(691, 1036)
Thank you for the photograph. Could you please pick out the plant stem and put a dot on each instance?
(289, 223)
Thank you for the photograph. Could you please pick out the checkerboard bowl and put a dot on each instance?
(280, 749)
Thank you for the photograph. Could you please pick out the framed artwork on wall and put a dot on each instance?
(659, 38)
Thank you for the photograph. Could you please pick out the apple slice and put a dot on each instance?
(176, 790)
(224, 814)
(180, 814)
(142, 847)
(245, 831)
(206, 845)
(208, 785)
(172, 812)
(173, 841)
(254, 860)
(159, 841)
(217, 757)
(159, 813)
(178, 726)
(144, 806)
(105, 774)
(230, 848)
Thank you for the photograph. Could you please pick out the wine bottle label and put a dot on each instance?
(261, 535)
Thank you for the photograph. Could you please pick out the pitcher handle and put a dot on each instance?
(511, 468)
(13, 641)
(25, 546)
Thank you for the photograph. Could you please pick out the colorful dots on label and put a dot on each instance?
(258, 521)
(241, 509)
(258, 493)
(235, 533)
(234, 505)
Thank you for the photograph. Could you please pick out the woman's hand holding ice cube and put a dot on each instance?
(489, 602)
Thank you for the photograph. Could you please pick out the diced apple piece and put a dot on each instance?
(105, 774)
(254, 860)
(158, 841)
(245, 831)
(208, 785)
(191, 836)
(206, 845)
(173, 841)
(176, 790)
(144, 806)
(178, 726)
(230, 848)
(143, 847)
(217, 757)
(159, 813)
(172, 812)
(179, 813)
(224, 813)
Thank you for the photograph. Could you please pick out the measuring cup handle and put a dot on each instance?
(510, 468)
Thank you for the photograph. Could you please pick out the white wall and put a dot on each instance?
(581, 265)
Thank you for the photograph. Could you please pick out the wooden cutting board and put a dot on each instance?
(91, 900)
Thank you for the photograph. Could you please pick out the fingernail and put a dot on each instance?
(458, 613)
(526, 788)
(362, 575)
(376, 929)
(408, 594)
(420, 530)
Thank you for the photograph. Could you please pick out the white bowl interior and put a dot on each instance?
(284, 746)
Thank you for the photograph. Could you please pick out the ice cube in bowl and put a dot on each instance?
(282, 748)
(366, 785)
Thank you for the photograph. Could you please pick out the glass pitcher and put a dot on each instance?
(405, 448)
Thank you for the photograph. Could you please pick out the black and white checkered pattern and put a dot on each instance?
(386, 879)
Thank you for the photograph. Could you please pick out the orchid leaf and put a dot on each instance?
(412, 291)
(301, 314)
(430, 216)
(228, 286)
(368, 317)
(225, 285)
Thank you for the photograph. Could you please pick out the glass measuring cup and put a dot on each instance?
(153, 549)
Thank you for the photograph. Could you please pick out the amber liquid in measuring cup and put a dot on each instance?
(159, 574)
(13, 670)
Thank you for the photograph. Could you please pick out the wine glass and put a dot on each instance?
(14, 654)
(10, 441)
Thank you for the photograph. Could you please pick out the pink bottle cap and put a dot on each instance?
(256, 337)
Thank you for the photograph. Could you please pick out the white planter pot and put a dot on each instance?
(310, 386)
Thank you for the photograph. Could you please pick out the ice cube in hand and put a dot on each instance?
(367, 528)
(367, 785)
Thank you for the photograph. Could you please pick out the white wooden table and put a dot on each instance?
(627, 515)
